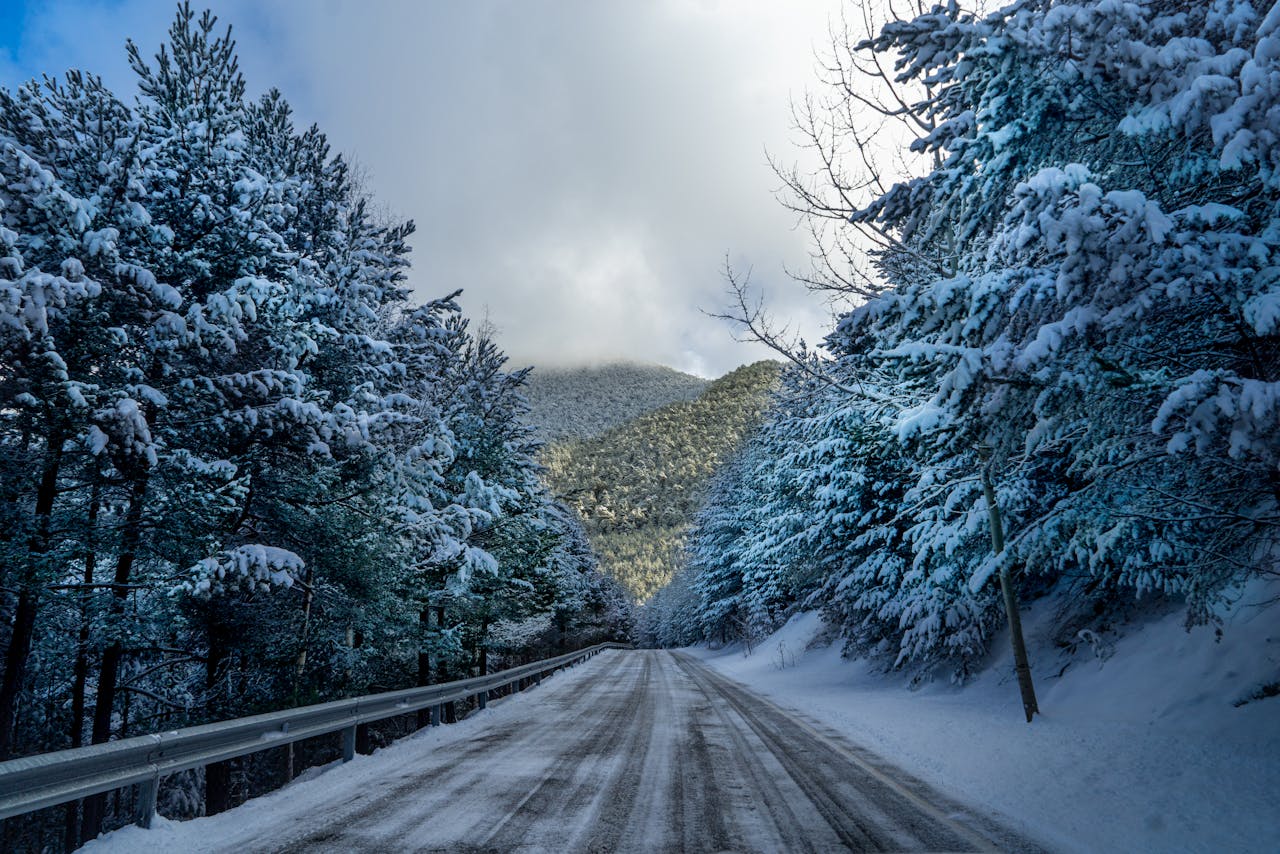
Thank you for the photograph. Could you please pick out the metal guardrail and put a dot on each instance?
(48, 779)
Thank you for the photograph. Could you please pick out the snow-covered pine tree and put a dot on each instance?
(1107, 188)
(237, 463)
(73, 292)
(1079, 295)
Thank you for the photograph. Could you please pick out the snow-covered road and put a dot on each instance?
(632, 751)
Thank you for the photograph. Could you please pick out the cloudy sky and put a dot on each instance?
(581, 169)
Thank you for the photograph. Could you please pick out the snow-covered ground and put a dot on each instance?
(639, 751)
(1141, 750)
(314, 792)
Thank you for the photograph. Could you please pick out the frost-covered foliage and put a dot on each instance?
(240, 470)
(1080, 297)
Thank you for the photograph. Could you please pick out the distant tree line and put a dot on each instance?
(581, 403)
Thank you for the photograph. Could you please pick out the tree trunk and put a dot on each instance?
(19, 652)
(217, 776)
(109, 675)
(1011, 607)
(424, 666)
(443, 673)
(307, 596)
(15, 666)
(81, 668)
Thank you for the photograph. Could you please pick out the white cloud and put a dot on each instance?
(580, 168)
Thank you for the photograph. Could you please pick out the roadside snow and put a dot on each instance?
(1140, 748)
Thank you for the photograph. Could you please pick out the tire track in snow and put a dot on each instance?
(454, 778)
(868, 808)
(573, 782)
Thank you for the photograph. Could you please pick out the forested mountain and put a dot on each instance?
(240, 469)
(1080, 308)
(638, 486)
(578, 403)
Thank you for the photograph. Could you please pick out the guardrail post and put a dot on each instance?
(482, 698)
(349, 743)
(217, 787)
(147, 792)
(435, 715)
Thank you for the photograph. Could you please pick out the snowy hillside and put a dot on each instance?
(577, 403)
(1147, 740)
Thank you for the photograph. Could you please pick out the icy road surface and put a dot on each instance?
(631, 751)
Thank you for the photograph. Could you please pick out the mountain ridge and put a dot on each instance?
(638, 484)
(579, 403)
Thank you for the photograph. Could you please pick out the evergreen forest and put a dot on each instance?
(581, 403)
(637, 486)
(241, 469)
(1061, 370)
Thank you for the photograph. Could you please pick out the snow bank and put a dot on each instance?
(1140, 747)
